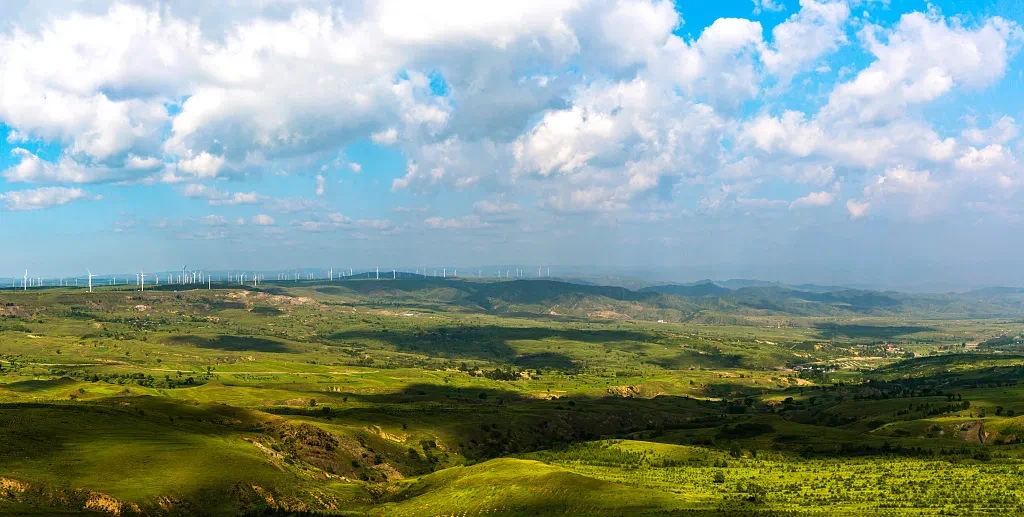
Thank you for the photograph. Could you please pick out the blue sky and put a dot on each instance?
(825, 141)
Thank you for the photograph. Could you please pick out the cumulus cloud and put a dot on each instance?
(857, 209)
(320, 184)
(816, 30)
(213, 220)
(570, 106)
(262, 220)
(386, 137)
(42, 198)
(768, 5)
(922, 58)
(814, 199)
(33, 169)
(203, 165)
(495, 206)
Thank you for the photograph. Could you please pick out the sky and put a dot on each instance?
(827, 141)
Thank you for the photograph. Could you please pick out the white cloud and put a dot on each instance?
(495, 206)
(216, 197)
(386, 137)
(916, 191)
(290, 205)
(262, 220)
(768, 5)
(239, 198)
(989, 157)
(578, 106)
(338, 218)
(797, 43)
(196, 190)
(213, 220)
(922, 58)
(466, 222)
(592, 199)
(857, 209)
(814, 199)
(320, 184)
(1000, 132)
(203, 165)
(32, 169)
(41, 198)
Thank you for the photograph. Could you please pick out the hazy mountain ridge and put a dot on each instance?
(675, 302)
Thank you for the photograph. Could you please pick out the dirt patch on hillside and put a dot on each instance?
(14, 311)
(974, 432)
(275, 300)
(633, 391)
(12, 485)
(606, 314)
(105, 503)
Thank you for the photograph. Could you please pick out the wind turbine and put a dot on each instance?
(142, 280)
(183, 278)
(90, 279)
(378, 272)
(24, 282)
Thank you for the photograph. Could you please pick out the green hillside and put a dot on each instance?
(433, 397)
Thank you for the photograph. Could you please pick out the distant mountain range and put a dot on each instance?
(703, 301)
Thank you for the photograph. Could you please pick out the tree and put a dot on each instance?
(719, 477)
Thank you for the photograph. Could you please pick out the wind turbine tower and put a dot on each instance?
(90, 279)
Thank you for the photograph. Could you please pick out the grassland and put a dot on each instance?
(428, 397)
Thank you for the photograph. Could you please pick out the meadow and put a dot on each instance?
(458, 397)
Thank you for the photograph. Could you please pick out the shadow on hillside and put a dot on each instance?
(693, 358)
(231, 343)
(483, 423)
(31, 431)
(38, 385)
(850, 331)
(490, 343)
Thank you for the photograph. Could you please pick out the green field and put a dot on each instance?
(428, 397)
